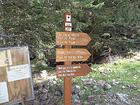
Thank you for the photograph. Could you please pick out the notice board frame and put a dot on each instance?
(29, 98)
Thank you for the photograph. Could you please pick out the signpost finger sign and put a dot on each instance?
(72, 38)
(63, 55)
(72, 70)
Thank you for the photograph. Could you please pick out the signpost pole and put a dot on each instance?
(67, 88)
(67, 80)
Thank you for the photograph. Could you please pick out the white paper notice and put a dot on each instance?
(5, 58)
(3, 92)
(18, 72)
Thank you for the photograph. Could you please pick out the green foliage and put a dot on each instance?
(34, 22)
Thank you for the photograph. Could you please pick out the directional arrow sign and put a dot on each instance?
(63, 55)
(72, 70)
(72, 38)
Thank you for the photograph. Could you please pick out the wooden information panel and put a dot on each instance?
(15, 76)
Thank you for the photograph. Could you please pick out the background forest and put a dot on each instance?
(114, 25)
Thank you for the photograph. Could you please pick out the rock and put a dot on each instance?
(107, 86)
(132, 86)
(85, 103)
(51, 82)
(76, 89)
(95, 87)
(77, 103)
(106, 35)
(123, 98)
(90, 98)
(89, 81)
(36, 102)
(43, 95)
(138, 31)
(125, 37)
(133, 36)
(104, 71)
(123, 87)
(44, 74)
(58, 93)
(101, 83)
(137, 57)
(117, 99)
(76, 99)
(114, 82)
(135, 77)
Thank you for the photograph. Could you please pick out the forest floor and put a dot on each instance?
(115, 83)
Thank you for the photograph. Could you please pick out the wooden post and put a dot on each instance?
(23, 100)
(67, 88)
(67, 80)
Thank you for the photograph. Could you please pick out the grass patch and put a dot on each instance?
(125, 71)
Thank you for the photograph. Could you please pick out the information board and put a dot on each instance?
(15, 76)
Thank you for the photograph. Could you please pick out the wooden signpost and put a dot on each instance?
(69, 54)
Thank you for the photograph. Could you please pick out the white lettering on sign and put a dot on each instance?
(3, 92)
(68, 24)
(65, 75)
(68, 18)
(73, 57)
(68, 29)
(18, 72)
(69, 67)
(66, 71)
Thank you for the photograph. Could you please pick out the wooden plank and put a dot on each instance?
(18, 89)
(19, 56)
(63, 55)
(72, 38)
(72, 70)
(3, 74)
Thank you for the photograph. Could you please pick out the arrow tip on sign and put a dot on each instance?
(87, 37)
(88, 53)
